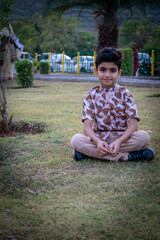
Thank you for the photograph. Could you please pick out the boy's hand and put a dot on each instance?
(114, 148)
(103, 148)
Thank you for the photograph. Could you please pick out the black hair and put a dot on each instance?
(108, 54)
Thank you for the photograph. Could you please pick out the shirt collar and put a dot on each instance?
(113, 89)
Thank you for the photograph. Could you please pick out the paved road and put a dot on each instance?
(153, 82)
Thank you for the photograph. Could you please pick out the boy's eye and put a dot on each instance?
(113, 70)
(102, 69)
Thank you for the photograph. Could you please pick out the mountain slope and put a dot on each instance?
(26, 9)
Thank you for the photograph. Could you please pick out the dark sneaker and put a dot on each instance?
(146, 154)
(78, 156)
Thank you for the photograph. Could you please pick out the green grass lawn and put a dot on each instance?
(45, 194)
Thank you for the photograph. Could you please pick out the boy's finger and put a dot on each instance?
(114, 153)
(103, 152)
(106, 145)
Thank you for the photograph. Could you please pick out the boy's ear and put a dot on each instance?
(120, 72)
(96, 72)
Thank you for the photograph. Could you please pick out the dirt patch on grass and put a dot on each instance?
(155, 95)
(13, 129)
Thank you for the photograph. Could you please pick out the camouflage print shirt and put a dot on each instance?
(110, 110)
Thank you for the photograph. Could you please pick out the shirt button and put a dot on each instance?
(107, 102)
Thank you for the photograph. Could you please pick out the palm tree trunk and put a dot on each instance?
(107, 32)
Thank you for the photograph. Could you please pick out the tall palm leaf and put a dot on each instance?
(106, 11)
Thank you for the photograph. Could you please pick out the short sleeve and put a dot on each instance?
(88, 108)
(130, 107)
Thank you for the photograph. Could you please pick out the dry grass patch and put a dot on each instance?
(12, 128)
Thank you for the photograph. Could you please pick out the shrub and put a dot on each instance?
(43, 67)
(24, 71)
(127, 64)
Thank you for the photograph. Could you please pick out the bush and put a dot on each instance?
(24, 71)
(43, 67)
(127, 64)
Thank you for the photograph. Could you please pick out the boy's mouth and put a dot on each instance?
(107, 79)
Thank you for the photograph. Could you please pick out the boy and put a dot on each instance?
(110, 108)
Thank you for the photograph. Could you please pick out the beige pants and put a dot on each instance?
(137, 141)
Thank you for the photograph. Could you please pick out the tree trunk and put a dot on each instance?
(107, 32)
(3, 102)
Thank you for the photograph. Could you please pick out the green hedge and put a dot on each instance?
(43, 67)
(24, 71)
(127, 64)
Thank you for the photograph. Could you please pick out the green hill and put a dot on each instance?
(26, 9)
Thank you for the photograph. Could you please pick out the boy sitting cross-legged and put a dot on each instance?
(110, 117)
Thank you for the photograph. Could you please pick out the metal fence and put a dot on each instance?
(84, 62)
(149, 65)
(69, 62)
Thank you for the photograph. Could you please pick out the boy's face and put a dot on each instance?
(107, 73)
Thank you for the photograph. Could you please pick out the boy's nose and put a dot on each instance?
(107, 73)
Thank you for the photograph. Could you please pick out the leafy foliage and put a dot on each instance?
(127, 64)
(5, 10)
(127, 32)
(144, 33)
(105, 11)
(39, 34)
(86, 42)
(29, 33)
(43, 67)
(24, 70)
(47, 35)
(54, 31)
